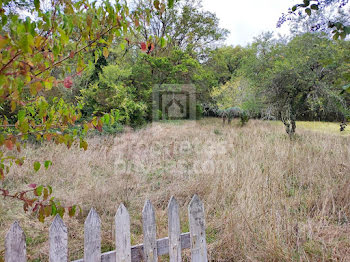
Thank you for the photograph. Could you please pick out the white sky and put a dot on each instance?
(246, 19)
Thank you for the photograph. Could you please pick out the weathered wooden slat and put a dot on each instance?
(15, 244)
(58, 241)
(122, 235)
(137, 250)
(149, 233)
(197, 230)
(92, 237)
(162, 247)
(174, 231)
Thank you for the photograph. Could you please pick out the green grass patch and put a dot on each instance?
(325, 127)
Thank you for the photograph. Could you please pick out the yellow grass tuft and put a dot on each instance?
(266, 198)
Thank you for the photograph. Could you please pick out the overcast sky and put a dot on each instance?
(248, 18)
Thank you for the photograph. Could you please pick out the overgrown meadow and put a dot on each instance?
(82, 84)
(266, 197)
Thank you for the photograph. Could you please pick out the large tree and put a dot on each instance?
(304, 81)
(331, 16)
(186, 26)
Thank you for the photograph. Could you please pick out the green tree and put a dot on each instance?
(224, 62)
(186, 26)
(111, 93)
(40, 48)
(324, 19)
(301, 84)
(289, 80)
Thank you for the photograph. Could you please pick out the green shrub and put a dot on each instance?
(110, 93)
(244, 118)
(199, 111)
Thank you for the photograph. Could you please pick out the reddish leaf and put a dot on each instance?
(31, 201)
(9, 144)
(2, 174)
(25, 207)
(21, 195)
(71, 54)
(35, 207)
(32, 185)
(51, 56)
(68, 82)
(71, 211)
(143, 47)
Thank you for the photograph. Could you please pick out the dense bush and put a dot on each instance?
(244, 118)
(110, 93)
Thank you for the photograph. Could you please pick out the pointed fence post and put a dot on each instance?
(149, 233)
(15, 244)
(58, 241)
(92, 237)
(197, 230)
(174, 231)
(122, 235)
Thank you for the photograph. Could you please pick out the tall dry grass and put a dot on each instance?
(266, 198)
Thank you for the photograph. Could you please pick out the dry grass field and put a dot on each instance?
(267, 198)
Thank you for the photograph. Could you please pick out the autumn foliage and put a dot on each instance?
(34, 42)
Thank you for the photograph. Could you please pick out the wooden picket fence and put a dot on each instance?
(15, 245)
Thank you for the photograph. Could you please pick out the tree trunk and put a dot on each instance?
(292, 120)
(289, 121)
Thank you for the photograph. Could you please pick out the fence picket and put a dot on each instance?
(122, 235)
(197, 230)
(58, 241)
(92, 237)
(149, 233)
(174, 231)
(15, 244)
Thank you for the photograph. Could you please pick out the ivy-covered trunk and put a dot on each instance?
(288, 117)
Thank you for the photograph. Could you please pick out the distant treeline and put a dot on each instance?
(297, 77)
